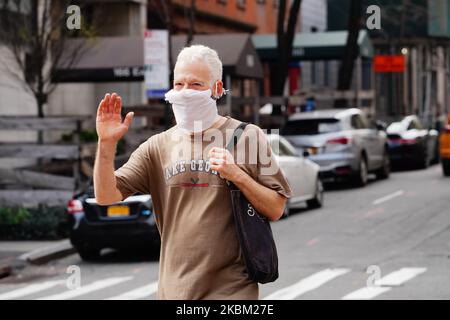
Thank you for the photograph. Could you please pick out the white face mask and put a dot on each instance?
(194, 110)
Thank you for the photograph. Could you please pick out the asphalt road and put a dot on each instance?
(388, 240)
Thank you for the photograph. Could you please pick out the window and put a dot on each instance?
(414, 124)
(241, 4)
(285, 150)
(311, 126)
(358, 122)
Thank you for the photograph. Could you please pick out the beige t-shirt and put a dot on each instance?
(200, 255)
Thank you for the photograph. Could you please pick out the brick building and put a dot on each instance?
(221, 16)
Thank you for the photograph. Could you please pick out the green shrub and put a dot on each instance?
(44, 223)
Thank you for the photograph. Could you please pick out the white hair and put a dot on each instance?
(209, 56)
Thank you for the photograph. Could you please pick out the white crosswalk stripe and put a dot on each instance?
(307, 284)
(28, 290)
(139, 293)
(97, 285)
(385, 284)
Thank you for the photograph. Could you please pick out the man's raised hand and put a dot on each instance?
(110, 127)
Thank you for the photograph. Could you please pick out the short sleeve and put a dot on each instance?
(133, 176)
(260, 161)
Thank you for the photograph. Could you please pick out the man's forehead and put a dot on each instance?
(188, 77)
(192, 71)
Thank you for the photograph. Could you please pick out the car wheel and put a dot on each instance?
(88, 254)
(317, 201)
(362, 176)
(446, 167)
(425, 161)
(385, 170)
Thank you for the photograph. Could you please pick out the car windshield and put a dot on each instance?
(311, 127)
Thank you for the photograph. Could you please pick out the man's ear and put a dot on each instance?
(218, 89)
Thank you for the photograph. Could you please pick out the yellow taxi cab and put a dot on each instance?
(444, 143)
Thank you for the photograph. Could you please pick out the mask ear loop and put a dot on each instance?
(224, 93)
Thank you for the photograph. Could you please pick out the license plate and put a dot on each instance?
(118, 211)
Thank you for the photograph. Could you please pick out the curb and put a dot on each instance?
(36, 257)
(43, 255)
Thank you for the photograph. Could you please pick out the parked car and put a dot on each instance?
(341, 142)
(445, 147)
(301, 173)
(410, 143)
(127, 224)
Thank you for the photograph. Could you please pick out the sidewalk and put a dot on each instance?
(17, 254)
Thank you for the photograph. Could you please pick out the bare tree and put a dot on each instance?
(285, 42)
(350, 51)
(190, 13)
(35, 33)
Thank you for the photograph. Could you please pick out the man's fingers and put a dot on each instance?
(107, 101)
(128, 119)
(101, 107)
(112, 103)
(216, 161)
(118, 105)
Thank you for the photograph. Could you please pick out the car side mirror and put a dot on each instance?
(305, 154)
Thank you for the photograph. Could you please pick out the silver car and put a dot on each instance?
(341, 142)
(302, 175)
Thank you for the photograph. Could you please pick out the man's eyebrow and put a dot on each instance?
(190, 79)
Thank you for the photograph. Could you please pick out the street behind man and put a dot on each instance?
(185, 170)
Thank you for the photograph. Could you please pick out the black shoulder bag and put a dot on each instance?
(253, 231)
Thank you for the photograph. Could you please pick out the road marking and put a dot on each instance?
(307, 284)
(399, 277)
(366, 293)
(138, 293)
(385, 284)
(388, 197)
(97, 285)
(33, 288)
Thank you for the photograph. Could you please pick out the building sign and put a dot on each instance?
(389, 63)
(156, 61)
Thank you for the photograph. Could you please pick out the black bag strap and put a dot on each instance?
(232, 143)
(236, 135)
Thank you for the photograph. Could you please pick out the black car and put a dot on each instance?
(129, 224)
(411, 144)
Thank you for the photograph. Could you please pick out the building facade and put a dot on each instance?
(420, 31)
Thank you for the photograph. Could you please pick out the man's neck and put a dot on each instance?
(220, 121)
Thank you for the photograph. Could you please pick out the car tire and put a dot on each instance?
(88, 254)
(361, 178)
(385, 170)
(317, 201)
(446, 167)
(425, 161)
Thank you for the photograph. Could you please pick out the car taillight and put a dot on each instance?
(407, 141)
(341, 140)
(74, 206)
(447, 128)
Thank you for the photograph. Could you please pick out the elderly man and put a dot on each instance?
(200, 255)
